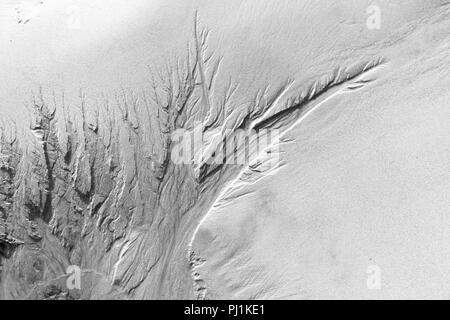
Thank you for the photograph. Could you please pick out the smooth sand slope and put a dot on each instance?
(360, 189)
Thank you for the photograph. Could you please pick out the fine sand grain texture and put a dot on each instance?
(240, 149)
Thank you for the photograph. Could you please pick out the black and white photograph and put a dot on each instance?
(224, 150)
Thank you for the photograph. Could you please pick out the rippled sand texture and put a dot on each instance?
(349, 199)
